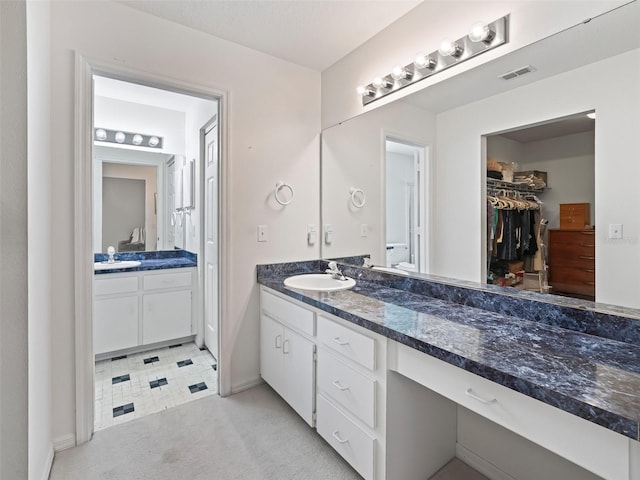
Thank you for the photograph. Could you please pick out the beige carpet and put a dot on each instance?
(253, 435)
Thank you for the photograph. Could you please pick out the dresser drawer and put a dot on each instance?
(288, 313)
(572, 256)
(159, 281)
(355, 445)
(578, 238)
(353, 345)
(595, 448)
(117, 285)
(346, 386)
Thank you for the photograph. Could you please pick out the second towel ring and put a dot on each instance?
(279, 187)
(358, 198)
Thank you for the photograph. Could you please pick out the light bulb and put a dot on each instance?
(120, 137)
(424, 61)
(365, 91)
(450, 48)
(153, 141)
(137, 139)
(380, 82)
(480, 32)
(592, 115)
(399, 73)
(101, 134)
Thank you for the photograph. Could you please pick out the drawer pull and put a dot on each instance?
(340, 342)
(470, 393)
(586, 258)
(285, 347)
(592, 245)
(589, 270)
(336, 435)
(278, 341)
(342, 388)
(590, 283)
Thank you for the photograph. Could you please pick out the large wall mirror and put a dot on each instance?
(421, 161)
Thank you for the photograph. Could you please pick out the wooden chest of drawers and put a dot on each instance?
(574, 216)
(572, 261)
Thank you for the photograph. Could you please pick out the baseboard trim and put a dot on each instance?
(246, 386)
(483, 466)
(48, 464)
(64, 442)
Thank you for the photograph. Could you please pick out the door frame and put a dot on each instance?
(85, 68)
(426, 196)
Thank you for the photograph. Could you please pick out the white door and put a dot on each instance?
(297, 354)
(271, 338)
(211, 239)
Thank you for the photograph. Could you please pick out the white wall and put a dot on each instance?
(14, 402)
(274, 112)
(417, 31)
(612, 88)
(353, 156)
(40, 239)
(114, 114)
(400, 172)
(570, 165)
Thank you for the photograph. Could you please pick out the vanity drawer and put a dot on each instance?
(346, 438)
(353, 345)
(346, 386)
(117, 285)
(288, 312)
(159, 281)
(595, 448)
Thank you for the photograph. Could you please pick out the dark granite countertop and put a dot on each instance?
(158, 260)
(591, 376)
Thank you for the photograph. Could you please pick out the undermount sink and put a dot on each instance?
(116, 264)
(319, 282)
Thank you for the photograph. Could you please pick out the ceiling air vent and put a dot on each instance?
(518, 72)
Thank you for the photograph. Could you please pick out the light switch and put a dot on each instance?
(328, 234)
(615, 230)
(312, 234)
(263, 233)
(364, 230)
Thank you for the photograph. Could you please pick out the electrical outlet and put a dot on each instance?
(312, 234)
(615, 230)
(328, 233)
(263, 233)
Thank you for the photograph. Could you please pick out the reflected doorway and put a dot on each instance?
(405, 206)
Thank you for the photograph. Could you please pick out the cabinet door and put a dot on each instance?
(166, 316)
(115, 324)
(299, 374)
(271, 339)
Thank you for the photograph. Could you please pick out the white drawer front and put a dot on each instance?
(158, 281)
(112, 286)
(355, 446)
(288, 313)
(353, 345)
(349, 388)
(595, 448)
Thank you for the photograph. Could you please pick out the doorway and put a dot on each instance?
(177, 117)
(541, 200)
(406, 206)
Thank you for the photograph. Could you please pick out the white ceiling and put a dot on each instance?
(579, 123)
(311, 33)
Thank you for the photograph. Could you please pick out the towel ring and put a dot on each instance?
(279, 187)
(358, 198)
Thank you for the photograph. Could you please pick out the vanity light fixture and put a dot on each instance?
(127, 138)
(481, 38)
(592, 115)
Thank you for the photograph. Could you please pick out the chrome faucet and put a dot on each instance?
(111, 252)
(335, 272)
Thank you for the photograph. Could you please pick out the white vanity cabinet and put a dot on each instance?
(134, 309)
(287, 352)
(351, 400)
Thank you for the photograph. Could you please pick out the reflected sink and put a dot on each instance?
(114, 265)
(319, 282)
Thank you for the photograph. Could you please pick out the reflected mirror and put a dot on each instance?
(592, 67)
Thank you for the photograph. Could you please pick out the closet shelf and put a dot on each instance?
(518, 187)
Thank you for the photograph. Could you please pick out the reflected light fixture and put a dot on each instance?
(481, 38)
(127, 138)
(592, 115)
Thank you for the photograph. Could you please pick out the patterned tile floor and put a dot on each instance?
(142, 383)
